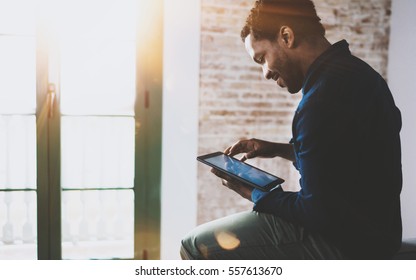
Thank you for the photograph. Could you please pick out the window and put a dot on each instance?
(18, 201)
(70, 182)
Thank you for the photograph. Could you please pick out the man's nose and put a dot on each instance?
(267, 73)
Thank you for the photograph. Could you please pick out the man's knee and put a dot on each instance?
(184, 251)
(189, 250)
(215, 236)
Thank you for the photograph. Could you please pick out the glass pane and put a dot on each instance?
(17, 152)
(18, 224)
(17, 17)
(97, 152)
(97, 224)
(115, 19)
(17, 75)
(98, 77)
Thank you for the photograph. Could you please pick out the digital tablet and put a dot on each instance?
(242, 171)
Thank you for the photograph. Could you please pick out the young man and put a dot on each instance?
(345, 144)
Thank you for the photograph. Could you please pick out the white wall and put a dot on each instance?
(402, 81)
(180, 122)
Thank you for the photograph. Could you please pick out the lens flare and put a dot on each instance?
(227, 240)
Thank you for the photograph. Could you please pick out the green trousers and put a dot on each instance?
(255, 236)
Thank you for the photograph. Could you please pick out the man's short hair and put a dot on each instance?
(268, 16)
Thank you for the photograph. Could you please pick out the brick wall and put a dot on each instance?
(237, 102)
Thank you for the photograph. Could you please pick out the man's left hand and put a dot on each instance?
(231, 183)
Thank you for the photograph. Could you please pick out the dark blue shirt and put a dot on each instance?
(347, 146)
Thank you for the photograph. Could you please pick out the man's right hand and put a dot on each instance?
(252, 148)
(259, 148)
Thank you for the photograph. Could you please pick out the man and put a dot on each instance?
(345, 144)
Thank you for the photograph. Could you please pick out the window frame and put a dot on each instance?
(148, 140)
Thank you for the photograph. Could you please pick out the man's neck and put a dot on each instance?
(310, 51)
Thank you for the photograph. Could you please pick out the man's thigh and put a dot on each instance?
(253, 235)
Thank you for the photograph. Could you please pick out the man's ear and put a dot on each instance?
(287, 36)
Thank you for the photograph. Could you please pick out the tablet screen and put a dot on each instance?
(241, 169)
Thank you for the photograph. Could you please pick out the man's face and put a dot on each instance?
(275, 62)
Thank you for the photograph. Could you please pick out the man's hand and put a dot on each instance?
(229, 182)
(259, 148)
(252, 148)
